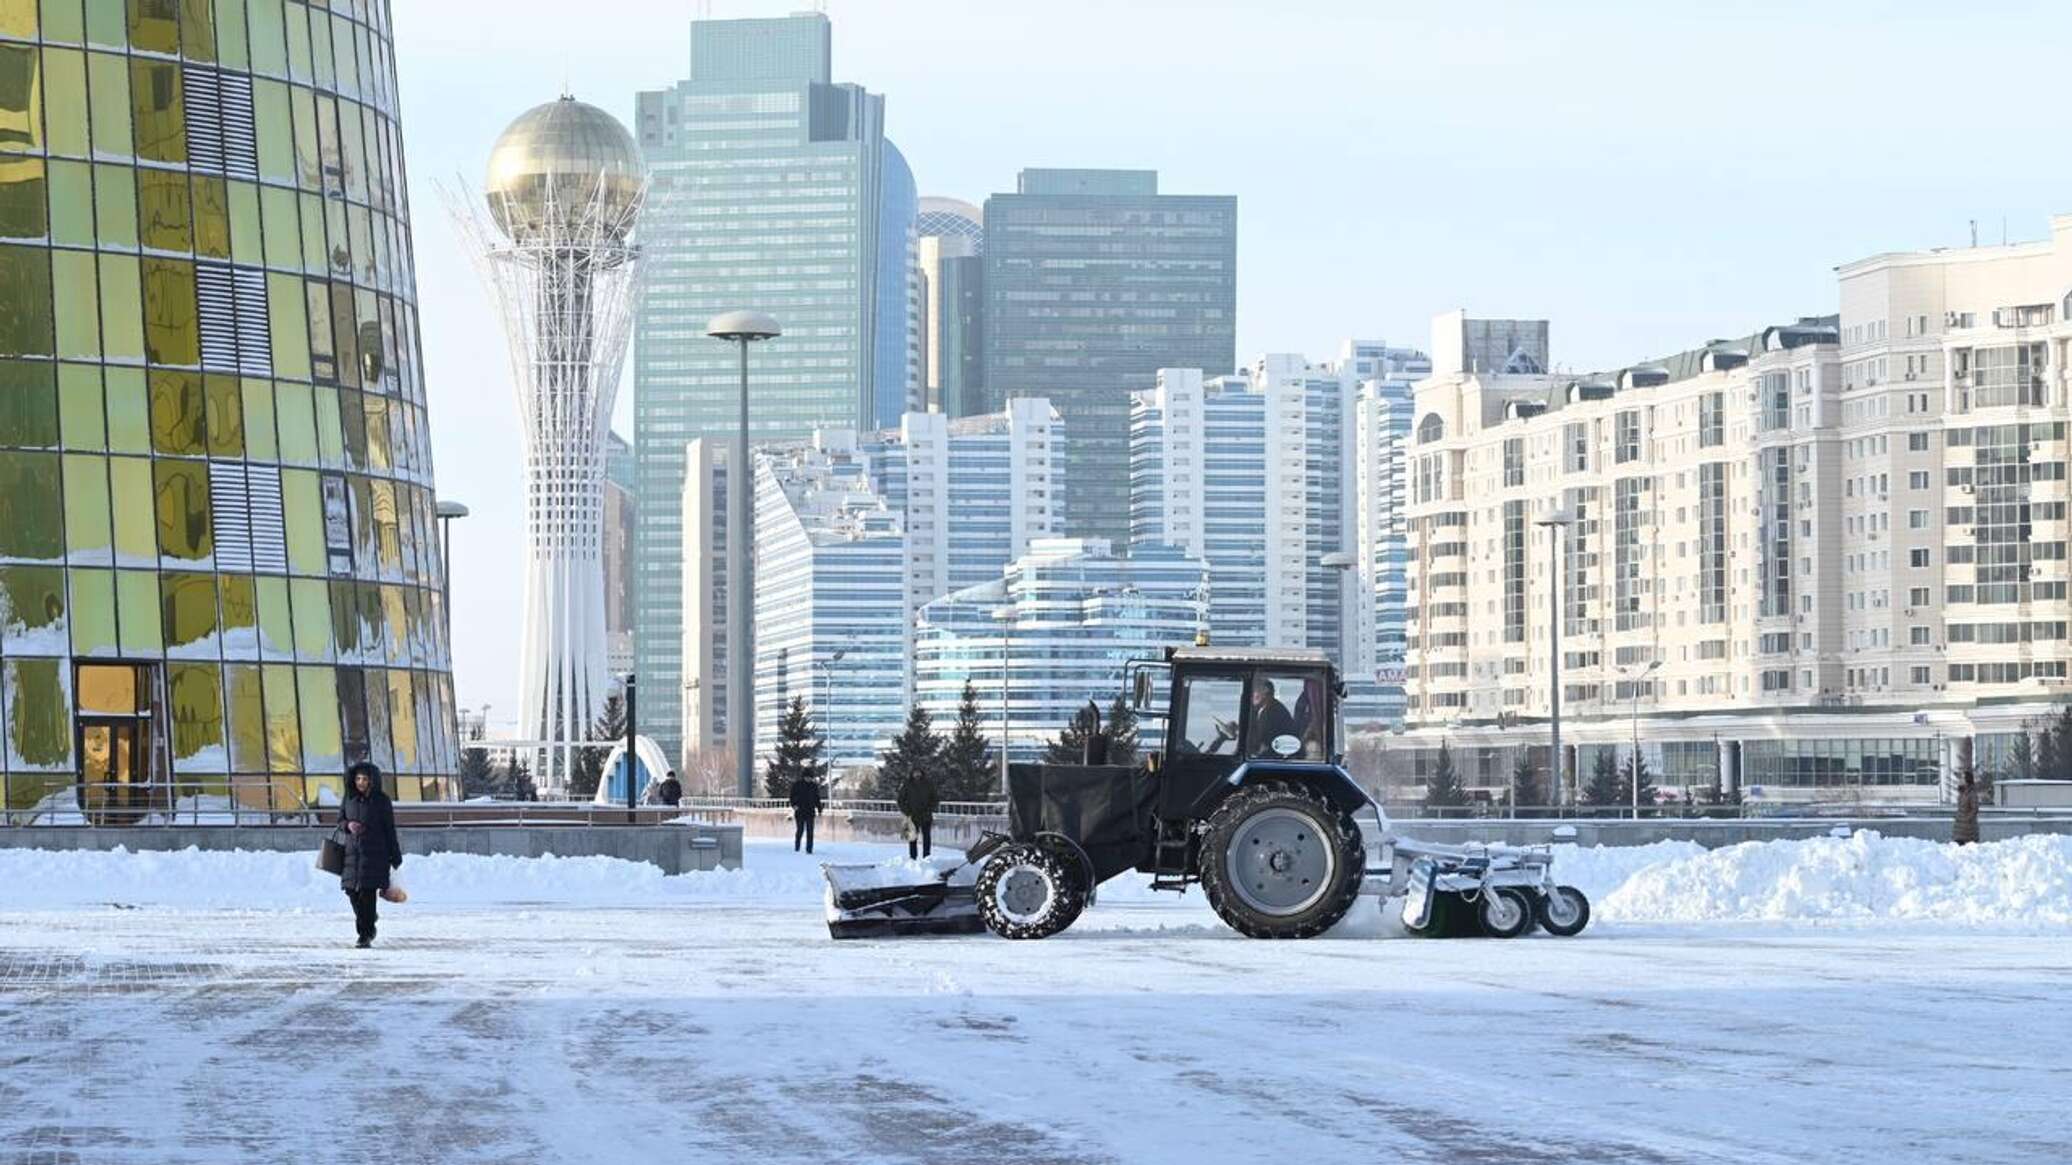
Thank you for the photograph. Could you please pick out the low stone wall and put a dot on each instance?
(676, 849)
(957, 832)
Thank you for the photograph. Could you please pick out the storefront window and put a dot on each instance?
(283, 726)
(247, 719)
(39, 715)
(322, 749)
(194, 695)
(276, 624)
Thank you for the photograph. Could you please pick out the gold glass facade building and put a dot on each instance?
(219, 569)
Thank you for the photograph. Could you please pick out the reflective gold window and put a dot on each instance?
(302, 501)
(379, 741)
(283, 233)
(312, 618)
(194, 698)
(403, 720)
(164, 210)
(71, 203)
(322, 746)
(285, 305)
(107, 80)
(197, 30)
(283, 726)
(190, 615)
(295, 412)
(77, 303)
(157, 112)
(298, 43)
(184, 529)
(246, 242)
(154, 25)
(226, 415)
(18, 18)
(388, 538)
(345, 622)
(32, 611)
(39, 715)
(21, 122)
(308, 166)
(137, 612)
(133, 501)
(129, 411)
(172, 330)
(269, 36)
(62, 21)
(259, 433)
(353, 413)
(179, 414)
(31, 515)
(107, 23)
(24, 199)
(230, 33)
(322, 351)
(122, 308)
(211, 216)
(25, 325)
(28, 405)
(314, 250)
(115, 206)
(276, 623)
(93, 612)
(247, 709)
(240, 605)
(82, 414)
(65, 103)
(275, 127)
(88, 535)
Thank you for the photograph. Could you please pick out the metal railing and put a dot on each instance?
(190, 804)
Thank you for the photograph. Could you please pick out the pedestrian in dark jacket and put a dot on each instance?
(1965, 830)
(805, 807)
(918, 799)
(367, 830)
(671, 792)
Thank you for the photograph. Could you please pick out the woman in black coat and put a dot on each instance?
(367, 830)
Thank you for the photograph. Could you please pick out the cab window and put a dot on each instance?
(1289, 704)
(1211, 709)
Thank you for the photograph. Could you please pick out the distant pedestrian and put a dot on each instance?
(806, 802)
(918, 799)
(1964, 831)
(367, 830)
(671, 792)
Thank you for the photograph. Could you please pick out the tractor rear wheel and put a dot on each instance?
(1279, 861)
(1565, 912)
(1028, 891)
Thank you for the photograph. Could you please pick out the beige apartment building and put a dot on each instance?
(1823, 561)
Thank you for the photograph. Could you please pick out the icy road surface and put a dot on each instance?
(714, 1021)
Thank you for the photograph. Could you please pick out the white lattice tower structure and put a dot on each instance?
(565, 189)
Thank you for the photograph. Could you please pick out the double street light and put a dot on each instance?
(1633, 703)
(1556, 522)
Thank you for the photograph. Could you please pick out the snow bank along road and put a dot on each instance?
(1835, 1000)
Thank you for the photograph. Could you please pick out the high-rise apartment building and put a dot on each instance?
(774, 188)
(1826, 560)
(618, 556)
(1254, 474)
(949, 243)
(220, 578)
(946, 503)
(1093, 282)
(1374, 662)
(1054, 632)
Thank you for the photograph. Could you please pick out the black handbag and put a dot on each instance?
(331, 855)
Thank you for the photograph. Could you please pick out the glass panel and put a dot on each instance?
(323, 749)
(194, 693)
(129, 411)
(87, 530)
(39, 715)
(403, 720)
(72, 203)
(25, 328)
(283, 233)
(345, 622)
(211, 216)
(230, 33)
(226, 411)
(298, 42)
(190, 615)
(352, 714)
(330, 435)
(197, 30)
(283, 727)
(247, 719)
(395, 624)
(122, 308)
(172, 330)
(32, 611)
(371, 623)
(109, 105)
(308, 165)
(82, 414)
(269, 37)
(164, 210)
(158, 113)
(62, 21)
(115, 205)
(258, 429)
(153, 25)
(240, 616)
(93, 612)
(133, 497)
(1211, 706)
(23, 199)
(18, 18)
(107, 22)
(179, 414)
(111, 690)
(136, 604)
(290, 326)
(64, 102)
(276, 130)
(185, 531)
(388, 541)
(77, 303)
(313, 245)
(28, 405)
(276, 622)
(31, 515)
(302, 500)
(296, 409)
(312, 618)
(245, 241)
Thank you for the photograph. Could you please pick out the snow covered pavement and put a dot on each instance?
(206, 1008)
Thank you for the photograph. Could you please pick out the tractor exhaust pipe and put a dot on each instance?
(1096, 739)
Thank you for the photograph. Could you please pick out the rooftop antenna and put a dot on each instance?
(1974, 232)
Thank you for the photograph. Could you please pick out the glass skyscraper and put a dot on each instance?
(774, 189)
(1093, 282)
(219, 575)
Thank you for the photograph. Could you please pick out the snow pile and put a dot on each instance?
(2026, 880)
(1601, 869)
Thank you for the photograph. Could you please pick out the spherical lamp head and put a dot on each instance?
(561, 167)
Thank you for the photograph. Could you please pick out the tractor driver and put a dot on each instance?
(1270, 719)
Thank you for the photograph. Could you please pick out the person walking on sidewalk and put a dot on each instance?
(1964, 831)
(805, 807)
(367, 831)
(918, 799)
(671, 791)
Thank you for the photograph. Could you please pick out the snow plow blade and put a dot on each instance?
(861, 905)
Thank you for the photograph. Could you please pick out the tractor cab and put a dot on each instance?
(1227, 708)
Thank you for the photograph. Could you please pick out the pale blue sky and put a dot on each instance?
(1646, 175)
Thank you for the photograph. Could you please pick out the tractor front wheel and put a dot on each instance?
(1028, 891)
(1279, 861)
(1506, 913)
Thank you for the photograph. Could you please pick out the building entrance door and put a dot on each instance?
(118, 764)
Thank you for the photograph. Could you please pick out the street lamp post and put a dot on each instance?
(1633, 703)
(447, 513)
(827, 710)
(741, 328)
(1005, 616)
(1555, 523)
